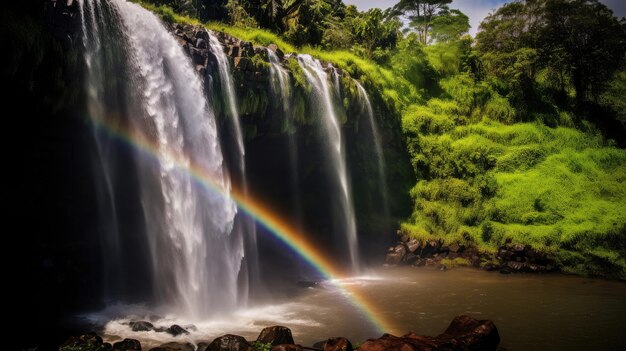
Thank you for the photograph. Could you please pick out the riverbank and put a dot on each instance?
(510, 257)
(463, 332)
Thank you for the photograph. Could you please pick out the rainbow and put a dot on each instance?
(262, 215)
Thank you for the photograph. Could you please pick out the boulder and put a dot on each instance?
(287, 347)
(464, 333)
(176, 330)
(201, 44)
(228, 342)
(516, 266)
(393, 258)
(413, 245)
(234, 51)
(127, 345)
(338, 344)
(409, 258)
(85, 342)
(174, 346)
(202, 34)
(401, 249)
(404, 238)
(473, 334)
(275, 335)
(141, 326)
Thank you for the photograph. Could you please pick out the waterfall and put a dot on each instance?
(194, 259)
(92, 18)
(245, 228)
(318, 79)
(366, 105)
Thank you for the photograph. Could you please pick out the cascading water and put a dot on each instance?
(318, 79)
(245, 229)
(366, 105)
(280, 83)
(195, 261)
(92, 20)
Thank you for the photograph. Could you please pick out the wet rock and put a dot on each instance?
(174, 346)
(276, 335)
(412, 245)
(518, 248)
(419, 262)
(443, 267)
(287, 347)
(409, 258)
(273, 47)
(464, 333)
(404, 238)
(338, 344)
(141, 326)
(474, 334)
(516, 266)
(229, 342)
(202, 346)
(401, 249)
(455, 248)
(201, 44)
(390, 249)
(234, 51)
(127, 345)
(176, 330)
(393, 258)
(85, 342)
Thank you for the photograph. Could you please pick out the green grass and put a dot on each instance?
(558, 189)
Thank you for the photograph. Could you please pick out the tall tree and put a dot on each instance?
(421, 13)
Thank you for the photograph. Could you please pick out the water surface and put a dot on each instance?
(548, 312)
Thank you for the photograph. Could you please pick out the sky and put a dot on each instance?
(477, 9)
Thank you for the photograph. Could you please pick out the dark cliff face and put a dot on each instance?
(52, 202)
(275, 139)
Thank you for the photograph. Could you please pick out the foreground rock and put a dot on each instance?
(464, 333)
(85, 342)
(127, 345)
(229, 342)
(338, 344)
(275, 335)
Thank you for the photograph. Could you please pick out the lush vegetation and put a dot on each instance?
(513, 135)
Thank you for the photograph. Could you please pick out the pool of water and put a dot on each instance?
(551, 312)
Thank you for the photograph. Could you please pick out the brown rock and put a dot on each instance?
(276, 335)
(413, 245)
(229, 342)
(464, 333)
(338, 344)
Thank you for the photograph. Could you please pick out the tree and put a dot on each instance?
(585, 40)
(449, 25)
(577, 43)
(421, 13)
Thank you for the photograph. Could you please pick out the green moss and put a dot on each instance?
(457, 262)
(298, 75)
